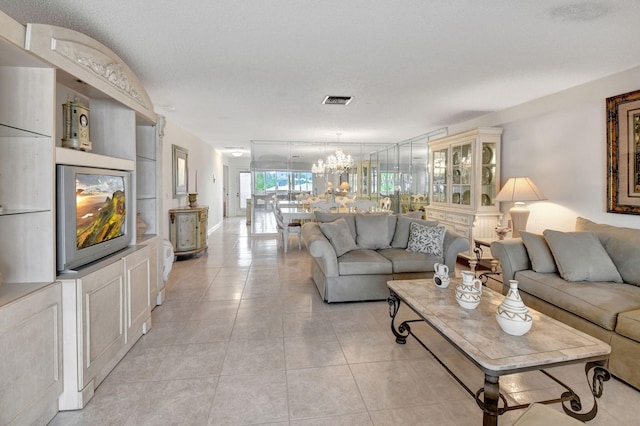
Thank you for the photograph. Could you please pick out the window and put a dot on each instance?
(269, 182)
(303, 182)
(387, 183)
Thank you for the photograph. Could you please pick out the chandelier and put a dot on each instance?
(336, 164)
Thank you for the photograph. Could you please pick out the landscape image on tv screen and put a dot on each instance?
(100, 209)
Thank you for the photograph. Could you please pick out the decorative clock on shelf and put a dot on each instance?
(76, 125)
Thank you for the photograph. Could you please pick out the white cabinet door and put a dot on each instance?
(138, 287)
(31, 354)
(102, 328)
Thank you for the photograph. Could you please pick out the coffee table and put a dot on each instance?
(476, 334)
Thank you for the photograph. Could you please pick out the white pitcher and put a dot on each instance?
(469, 292)
(441, 275)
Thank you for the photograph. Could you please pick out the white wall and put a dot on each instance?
(560, 142)
(203, 158)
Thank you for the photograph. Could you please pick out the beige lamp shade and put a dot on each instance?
(519, 190)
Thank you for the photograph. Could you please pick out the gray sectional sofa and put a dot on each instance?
(344, 272)
(589, 279)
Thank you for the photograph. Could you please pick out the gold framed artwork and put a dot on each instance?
(180, 171)
(623, 153)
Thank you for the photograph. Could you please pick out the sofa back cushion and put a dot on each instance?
(401, 235)
(622, 244)
(374, 231)
(323, 217)
(581, 257)
(338, 234)
(539, 253)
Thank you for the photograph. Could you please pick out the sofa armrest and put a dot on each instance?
(512, 255)
(454, 244)
(319, 247)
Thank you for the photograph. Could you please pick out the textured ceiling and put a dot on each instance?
(231, 71)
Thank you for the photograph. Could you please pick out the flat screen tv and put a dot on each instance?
(93, 214)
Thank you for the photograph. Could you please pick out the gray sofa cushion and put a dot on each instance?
(338, 234)
(330, 217)
(581, 257)
(622, 244)
(364, 262)
(628, 324)
(598, 302)
(539, 252)
(372, 231)
(401, 235)
(408, 261)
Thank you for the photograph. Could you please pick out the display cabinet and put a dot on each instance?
(465, 178)
(188, 229)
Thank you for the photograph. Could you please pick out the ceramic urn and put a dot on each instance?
(441, 275)
(469, 292)
(512, 314)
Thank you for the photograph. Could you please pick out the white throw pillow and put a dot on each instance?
(426, 239)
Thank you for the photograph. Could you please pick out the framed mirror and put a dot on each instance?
(180, 171)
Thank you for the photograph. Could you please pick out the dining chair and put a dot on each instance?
(285, 228)
(385, 203)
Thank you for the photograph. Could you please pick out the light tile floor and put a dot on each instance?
(244, 338)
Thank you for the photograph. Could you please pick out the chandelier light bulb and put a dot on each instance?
(337, 164)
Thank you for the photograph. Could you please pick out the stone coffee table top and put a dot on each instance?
(477, 333)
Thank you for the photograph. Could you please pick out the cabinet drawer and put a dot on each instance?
(436, 215)
(458, 218)
(462, 230)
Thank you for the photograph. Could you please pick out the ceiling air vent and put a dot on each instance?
(337, 100)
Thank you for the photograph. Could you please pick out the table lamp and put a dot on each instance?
(519, 190)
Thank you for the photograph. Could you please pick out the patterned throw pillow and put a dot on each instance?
(426, 239)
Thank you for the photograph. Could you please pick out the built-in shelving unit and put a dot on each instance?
(41, 67)
(30, 299)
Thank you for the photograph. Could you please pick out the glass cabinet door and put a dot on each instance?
(439, 182)
(461, 162)
(489, 186)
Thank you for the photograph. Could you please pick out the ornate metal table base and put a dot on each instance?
(484, 277)
(488, 397)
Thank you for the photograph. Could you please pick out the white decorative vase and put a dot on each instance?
(512, 314)
(441, 275)
(141, 226)
(469, 292)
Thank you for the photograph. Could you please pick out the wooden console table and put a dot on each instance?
(188, 230)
